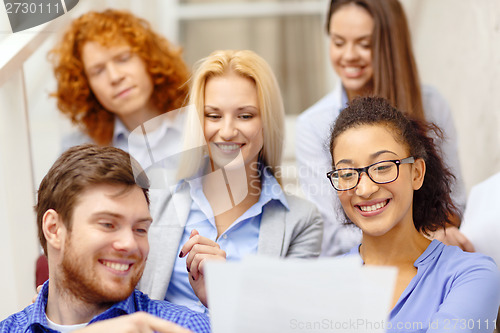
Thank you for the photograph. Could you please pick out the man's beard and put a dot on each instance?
(80, 280)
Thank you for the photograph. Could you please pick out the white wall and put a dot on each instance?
(18, 241)
(457, 45)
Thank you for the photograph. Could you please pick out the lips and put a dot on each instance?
(119, 267)
(123, 92)
(372, 208)
(353, 71)
(229, 147)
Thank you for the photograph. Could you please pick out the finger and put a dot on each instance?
(185, 249)
(198, 263)
(195, 239)
(438, 234)
(198, 253)
(163, 326)
(141, 322)
(194, 232)
(468, 246)
(201, 264)
(33, 300)
(464, 243)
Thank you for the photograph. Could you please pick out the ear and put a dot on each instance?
(54, 229)
(418, 173)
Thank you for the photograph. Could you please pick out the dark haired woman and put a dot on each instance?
(371, 52)
(393, 185)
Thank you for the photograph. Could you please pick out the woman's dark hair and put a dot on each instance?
(432, 204)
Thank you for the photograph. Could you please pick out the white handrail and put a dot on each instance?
(18, 47)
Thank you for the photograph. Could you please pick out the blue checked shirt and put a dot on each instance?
(33, 318)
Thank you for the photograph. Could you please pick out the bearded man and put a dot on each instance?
(93, 220)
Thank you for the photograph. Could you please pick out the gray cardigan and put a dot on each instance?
(294, 233)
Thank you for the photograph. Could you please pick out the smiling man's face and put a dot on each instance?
(105, 252)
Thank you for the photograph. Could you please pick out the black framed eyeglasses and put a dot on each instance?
(382, 172)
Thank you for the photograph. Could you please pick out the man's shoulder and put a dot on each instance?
(18, 322)
(178, 314)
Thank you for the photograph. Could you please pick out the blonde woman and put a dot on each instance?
(230, 203)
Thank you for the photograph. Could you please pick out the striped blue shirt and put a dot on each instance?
(33, 318)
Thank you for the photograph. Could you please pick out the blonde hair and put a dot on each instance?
(250, 65)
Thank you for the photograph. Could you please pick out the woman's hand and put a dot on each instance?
(198, 249)
(453, 236)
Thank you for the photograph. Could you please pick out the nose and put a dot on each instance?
(115, 75)
(350, 53)
(125, 241)
(228, 129)
(366, 187)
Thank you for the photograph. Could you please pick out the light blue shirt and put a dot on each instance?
(239, 240)
(162, 141)
(453, 291)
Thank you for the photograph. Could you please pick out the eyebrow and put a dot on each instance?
(100, 63)
(241, 108)
(369, 36)
(120, 216)
(372, 156)
(211, 107)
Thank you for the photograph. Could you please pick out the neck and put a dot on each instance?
(135, 119)
(240, 186)
(365, 91)
(64, 308)
(243, 192)
(395, 248)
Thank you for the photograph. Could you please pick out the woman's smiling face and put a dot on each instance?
(377, 208)
(351, 29)
(233, 122)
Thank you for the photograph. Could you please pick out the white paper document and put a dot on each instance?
(259, 295)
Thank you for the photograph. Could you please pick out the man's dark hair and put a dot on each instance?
(79, 168)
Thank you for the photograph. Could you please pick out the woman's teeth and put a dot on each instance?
(373, 207)
(228, 147)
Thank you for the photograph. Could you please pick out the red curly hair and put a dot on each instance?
(163, 62)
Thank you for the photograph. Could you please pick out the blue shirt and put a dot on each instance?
(453, 291)
(33, 318)
(238, 241)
